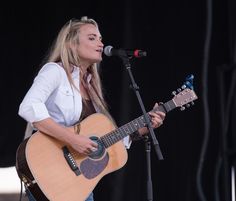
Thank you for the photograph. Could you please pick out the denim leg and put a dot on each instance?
(29, 195)
(90, 197)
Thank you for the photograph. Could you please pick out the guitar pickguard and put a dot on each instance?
(91, 168)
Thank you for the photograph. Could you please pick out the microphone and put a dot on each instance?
(110, 51)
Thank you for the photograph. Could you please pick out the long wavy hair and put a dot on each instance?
(64, 51)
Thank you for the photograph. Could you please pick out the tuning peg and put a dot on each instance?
(182, 108)
(183, 87)
(173, 93)
(189, 81)
(192, 103)
(188, 105)
(190, 78)
(179, 89)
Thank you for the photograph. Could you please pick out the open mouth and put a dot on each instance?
(100, 50)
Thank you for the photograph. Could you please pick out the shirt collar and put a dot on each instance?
(76, 73)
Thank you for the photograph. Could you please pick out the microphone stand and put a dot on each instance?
(134, 86)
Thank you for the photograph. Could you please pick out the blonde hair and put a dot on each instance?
(64, 51)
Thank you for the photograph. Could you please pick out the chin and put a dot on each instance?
(97, 60)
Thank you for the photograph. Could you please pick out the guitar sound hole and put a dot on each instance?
(100, 151)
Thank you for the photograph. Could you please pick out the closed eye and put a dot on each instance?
(94, 36)
(91, 38)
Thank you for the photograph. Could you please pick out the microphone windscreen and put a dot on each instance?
(107, 50)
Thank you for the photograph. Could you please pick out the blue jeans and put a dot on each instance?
(31, 197)
(90, 197)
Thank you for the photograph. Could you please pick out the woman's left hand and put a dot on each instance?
(157, 118)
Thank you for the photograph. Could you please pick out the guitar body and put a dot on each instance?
(42, 165)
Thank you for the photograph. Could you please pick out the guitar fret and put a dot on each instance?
(122, 131)
(133, 126)
(130, 127)
(141, 121)
(136, 124)
(115, 135)
(104, 141)
(125, 131)
(110, 138)
(107, 139)
(108, 142)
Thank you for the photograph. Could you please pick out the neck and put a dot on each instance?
(84, 65)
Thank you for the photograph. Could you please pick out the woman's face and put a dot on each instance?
(90, 46)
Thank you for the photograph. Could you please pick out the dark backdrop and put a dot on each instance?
(173, 33)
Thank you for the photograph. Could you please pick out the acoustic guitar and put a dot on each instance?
(52, 170)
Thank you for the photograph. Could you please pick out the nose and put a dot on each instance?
(100, 43)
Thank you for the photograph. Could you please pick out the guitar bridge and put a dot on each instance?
(70, 160)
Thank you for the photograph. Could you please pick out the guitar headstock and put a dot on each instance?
(185, 95)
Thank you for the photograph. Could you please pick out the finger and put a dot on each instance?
(156, 105)
(93, 144)
(160, 114)
(152, 114)
(157, 116)
(157, 121)
(86, 152)
(157, 124)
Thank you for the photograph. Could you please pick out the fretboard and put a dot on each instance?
(129, 128)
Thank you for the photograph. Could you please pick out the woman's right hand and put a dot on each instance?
(84, 145)
(80, 143)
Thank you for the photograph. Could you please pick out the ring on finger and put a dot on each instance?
(93, 149)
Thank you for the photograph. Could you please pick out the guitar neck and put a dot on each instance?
(129, 128)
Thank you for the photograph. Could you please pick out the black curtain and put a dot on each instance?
(173, 34)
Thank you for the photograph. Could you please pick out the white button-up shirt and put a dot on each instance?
(52, 95)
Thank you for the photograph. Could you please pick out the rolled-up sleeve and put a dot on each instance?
(33, 107)
(127, 142)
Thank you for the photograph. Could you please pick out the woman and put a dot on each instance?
(67, 88)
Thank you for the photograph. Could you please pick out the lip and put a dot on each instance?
(99, 50)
